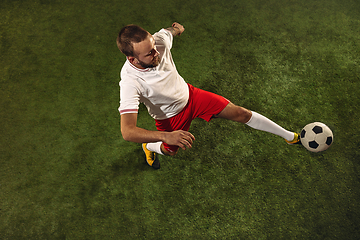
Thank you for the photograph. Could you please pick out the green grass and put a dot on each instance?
(66, 172)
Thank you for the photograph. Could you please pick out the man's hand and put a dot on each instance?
(179, 138)
(179, 27)
(176, 29)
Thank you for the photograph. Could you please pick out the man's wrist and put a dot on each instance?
(163, 135)
(178, 31)
(175, 31)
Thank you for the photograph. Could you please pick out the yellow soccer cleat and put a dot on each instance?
(151, 158)
(296, 139)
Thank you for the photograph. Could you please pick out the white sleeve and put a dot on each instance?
(129, 98)
(165, 37)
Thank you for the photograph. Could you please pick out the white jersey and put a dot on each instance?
(163, 91)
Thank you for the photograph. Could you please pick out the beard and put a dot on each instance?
(154, 63)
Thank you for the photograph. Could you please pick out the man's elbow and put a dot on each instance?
(126, 135)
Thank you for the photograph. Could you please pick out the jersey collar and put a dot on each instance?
(139, 69)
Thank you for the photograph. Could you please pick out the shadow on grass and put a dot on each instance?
(130, 162)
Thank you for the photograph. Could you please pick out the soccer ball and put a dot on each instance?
(316, 137)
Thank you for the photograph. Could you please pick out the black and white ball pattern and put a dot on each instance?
(316, 137)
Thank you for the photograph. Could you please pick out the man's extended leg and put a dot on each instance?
(257, 121)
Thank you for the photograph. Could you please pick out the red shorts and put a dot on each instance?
(201, 104)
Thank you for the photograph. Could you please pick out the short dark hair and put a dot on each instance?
(127, 36)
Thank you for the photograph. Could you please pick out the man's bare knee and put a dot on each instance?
(170, 153)
(167, 153)
(235, 113)
(244, 115)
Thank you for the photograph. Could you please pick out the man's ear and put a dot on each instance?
(132, 60)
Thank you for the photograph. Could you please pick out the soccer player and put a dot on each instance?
(149, 76)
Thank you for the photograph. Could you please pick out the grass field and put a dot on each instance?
(66, 172)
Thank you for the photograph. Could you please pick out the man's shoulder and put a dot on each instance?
(129, 77)
(126, 67)
(127, 71)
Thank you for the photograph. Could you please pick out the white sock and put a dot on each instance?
(155, 147)
(259, 122)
